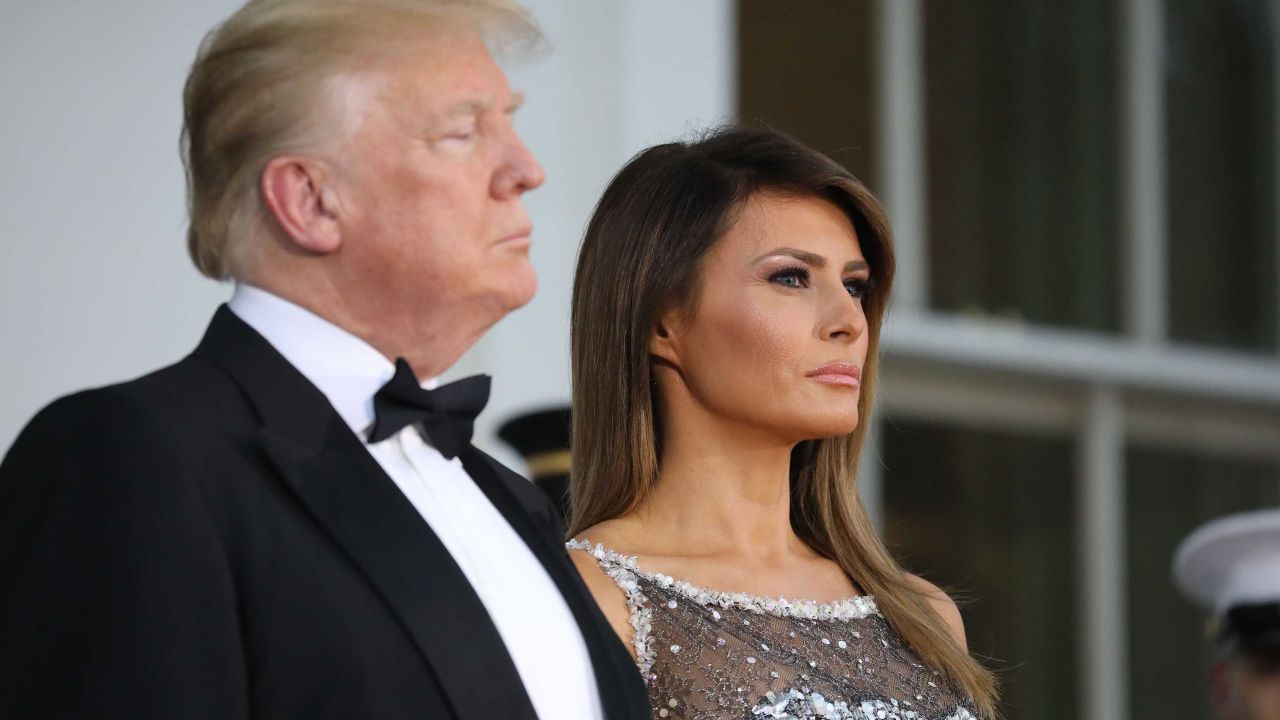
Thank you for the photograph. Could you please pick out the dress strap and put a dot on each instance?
(622, 569)
(607, 558)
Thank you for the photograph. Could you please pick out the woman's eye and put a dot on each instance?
(857, 288)
(791, 277)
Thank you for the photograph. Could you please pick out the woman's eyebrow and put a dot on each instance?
(813, 259)
(804, 256)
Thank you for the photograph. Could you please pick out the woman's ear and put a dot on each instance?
(663, 341)
(298, 194)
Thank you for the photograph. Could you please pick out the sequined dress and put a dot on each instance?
(710, 655)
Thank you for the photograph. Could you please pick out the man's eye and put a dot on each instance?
(457, 134)
(791, 277)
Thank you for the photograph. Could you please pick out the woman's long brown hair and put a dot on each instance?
(641, 256)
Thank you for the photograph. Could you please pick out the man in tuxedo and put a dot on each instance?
(287, 522)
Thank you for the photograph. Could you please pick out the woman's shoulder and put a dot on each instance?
(943, 605)
(612, 537)
(594, 552)
(603, 586)
(592, 555)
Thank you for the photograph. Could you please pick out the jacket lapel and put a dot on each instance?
(345, 490)
(622, 691)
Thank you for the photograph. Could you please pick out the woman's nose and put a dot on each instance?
(845, 319)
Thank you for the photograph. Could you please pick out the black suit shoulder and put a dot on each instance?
(176, 401)
(188, 396)
(108, 443)
(106, 536)
(145, 436)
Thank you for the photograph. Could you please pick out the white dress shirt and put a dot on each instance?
(532, 617)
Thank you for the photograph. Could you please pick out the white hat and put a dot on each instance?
(1234, 560)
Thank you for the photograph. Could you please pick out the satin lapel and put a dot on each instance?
(622, 691)
(348, 494)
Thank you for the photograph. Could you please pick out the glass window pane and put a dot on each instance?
(990, 515)
(805, 69)
(1022, 145)
(1169, 494)
(1221, 149)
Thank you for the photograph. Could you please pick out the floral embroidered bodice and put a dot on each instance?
(710, 655)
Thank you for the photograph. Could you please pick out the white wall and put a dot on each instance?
(95, 286)
(94, 282)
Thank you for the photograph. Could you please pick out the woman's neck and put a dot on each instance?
(722, 491)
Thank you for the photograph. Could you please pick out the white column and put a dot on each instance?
(1145, 225)
(899, 82)
(1103, 655)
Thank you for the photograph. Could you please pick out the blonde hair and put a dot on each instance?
(640, 257)
(258, 90)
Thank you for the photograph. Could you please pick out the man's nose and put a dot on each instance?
(521, 171)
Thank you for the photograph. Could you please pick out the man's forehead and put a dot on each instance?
(456, 88)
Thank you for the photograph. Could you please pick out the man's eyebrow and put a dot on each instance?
(466, 107)
(476, 106)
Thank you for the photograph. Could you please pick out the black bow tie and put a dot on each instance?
(447, 414)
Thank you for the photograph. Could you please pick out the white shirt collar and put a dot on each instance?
(346, 369)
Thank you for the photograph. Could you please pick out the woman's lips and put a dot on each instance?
(838, 373)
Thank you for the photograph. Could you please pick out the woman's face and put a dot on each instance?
(778, 339)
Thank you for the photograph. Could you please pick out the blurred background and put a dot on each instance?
(1082, 361)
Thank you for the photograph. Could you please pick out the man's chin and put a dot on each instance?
(520, 290)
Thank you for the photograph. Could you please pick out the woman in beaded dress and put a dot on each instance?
(726, 317)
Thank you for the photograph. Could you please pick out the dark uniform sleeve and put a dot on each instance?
(116, 599)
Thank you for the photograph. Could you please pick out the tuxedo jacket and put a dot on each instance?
(212, 541)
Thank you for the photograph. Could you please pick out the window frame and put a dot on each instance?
(1105, 391)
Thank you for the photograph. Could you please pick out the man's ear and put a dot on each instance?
(298, 194)
(663, 342)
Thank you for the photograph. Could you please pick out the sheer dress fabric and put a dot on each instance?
(711, 655)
